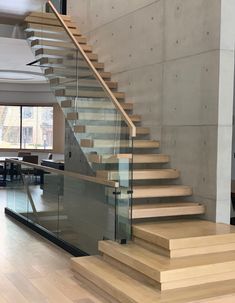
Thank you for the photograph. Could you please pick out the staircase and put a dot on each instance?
(178, 258)
(151, 197)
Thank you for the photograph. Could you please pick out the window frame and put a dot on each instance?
(21, 117)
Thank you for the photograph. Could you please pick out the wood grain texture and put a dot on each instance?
(32, 270)
(185, 233)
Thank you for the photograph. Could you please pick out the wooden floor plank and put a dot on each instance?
(32, 270)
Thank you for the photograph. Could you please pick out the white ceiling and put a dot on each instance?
(19, 8)
(15, 54)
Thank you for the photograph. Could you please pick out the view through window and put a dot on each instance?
(26, 127)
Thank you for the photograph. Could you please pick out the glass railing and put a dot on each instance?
(77, 209)
(91, 105)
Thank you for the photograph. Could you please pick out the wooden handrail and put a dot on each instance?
(66, 173)
(126, 118)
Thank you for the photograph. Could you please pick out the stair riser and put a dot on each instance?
(172, 278)
(179, 253)
(198, 281)
(131, 272)
(140, 175)
(98, 282)
(161, 193)
(99, 293)
(168, 212)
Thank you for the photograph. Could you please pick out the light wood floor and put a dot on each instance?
(34, 270)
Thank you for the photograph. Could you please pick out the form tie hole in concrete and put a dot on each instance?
(130, 55)
(151, 49)
(177, 41)
(112, 34)
(130, 26)
(151, 80)
(205, 106)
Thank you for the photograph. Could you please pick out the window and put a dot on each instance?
(28, 127)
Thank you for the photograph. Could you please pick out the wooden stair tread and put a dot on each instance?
(99, 143)
(114, 282)
(49, 21)
(98, 117)
(84, 82)
(40, 42)
(166, 209)
(137, 158)
(161, 268)
(95, 129)
(121, 287)
(185, 233)
(151, 191)
(95, 104)
(48, 15)
(54, 36)
(62, 53)
(140, 174)
(68, 72)
(29, 26)
(87, 93)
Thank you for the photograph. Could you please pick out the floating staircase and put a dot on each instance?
(170, 258)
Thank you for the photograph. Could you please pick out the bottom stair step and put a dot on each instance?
(166, 210)
(122, 287)
(172, 273)
(186, 237)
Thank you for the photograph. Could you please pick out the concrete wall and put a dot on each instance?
(174, 59)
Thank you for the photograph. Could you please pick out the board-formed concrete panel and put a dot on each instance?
(94, 14)
(192, 149)
(191, 87)
(191, 27)
(144, 87)
(126, 42)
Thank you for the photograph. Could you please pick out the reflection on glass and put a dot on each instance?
(9, 126)
(37, 127)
